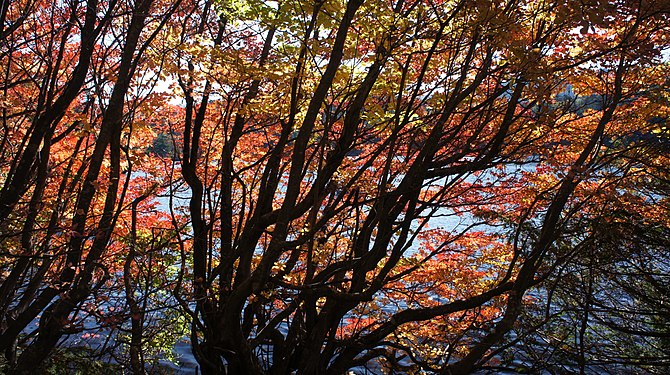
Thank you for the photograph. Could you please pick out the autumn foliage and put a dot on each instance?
(410, 186)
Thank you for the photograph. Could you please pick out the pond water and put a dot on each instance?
(186, 363)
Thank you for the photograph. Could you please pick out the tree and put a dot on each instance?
(401, 186)
(339, 142)
(607, 305)
(67, 79)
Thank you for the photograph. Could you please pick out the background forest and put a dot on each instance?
(333, 186)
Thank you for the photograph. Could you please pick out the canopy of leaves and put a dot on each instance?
(415, 186)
